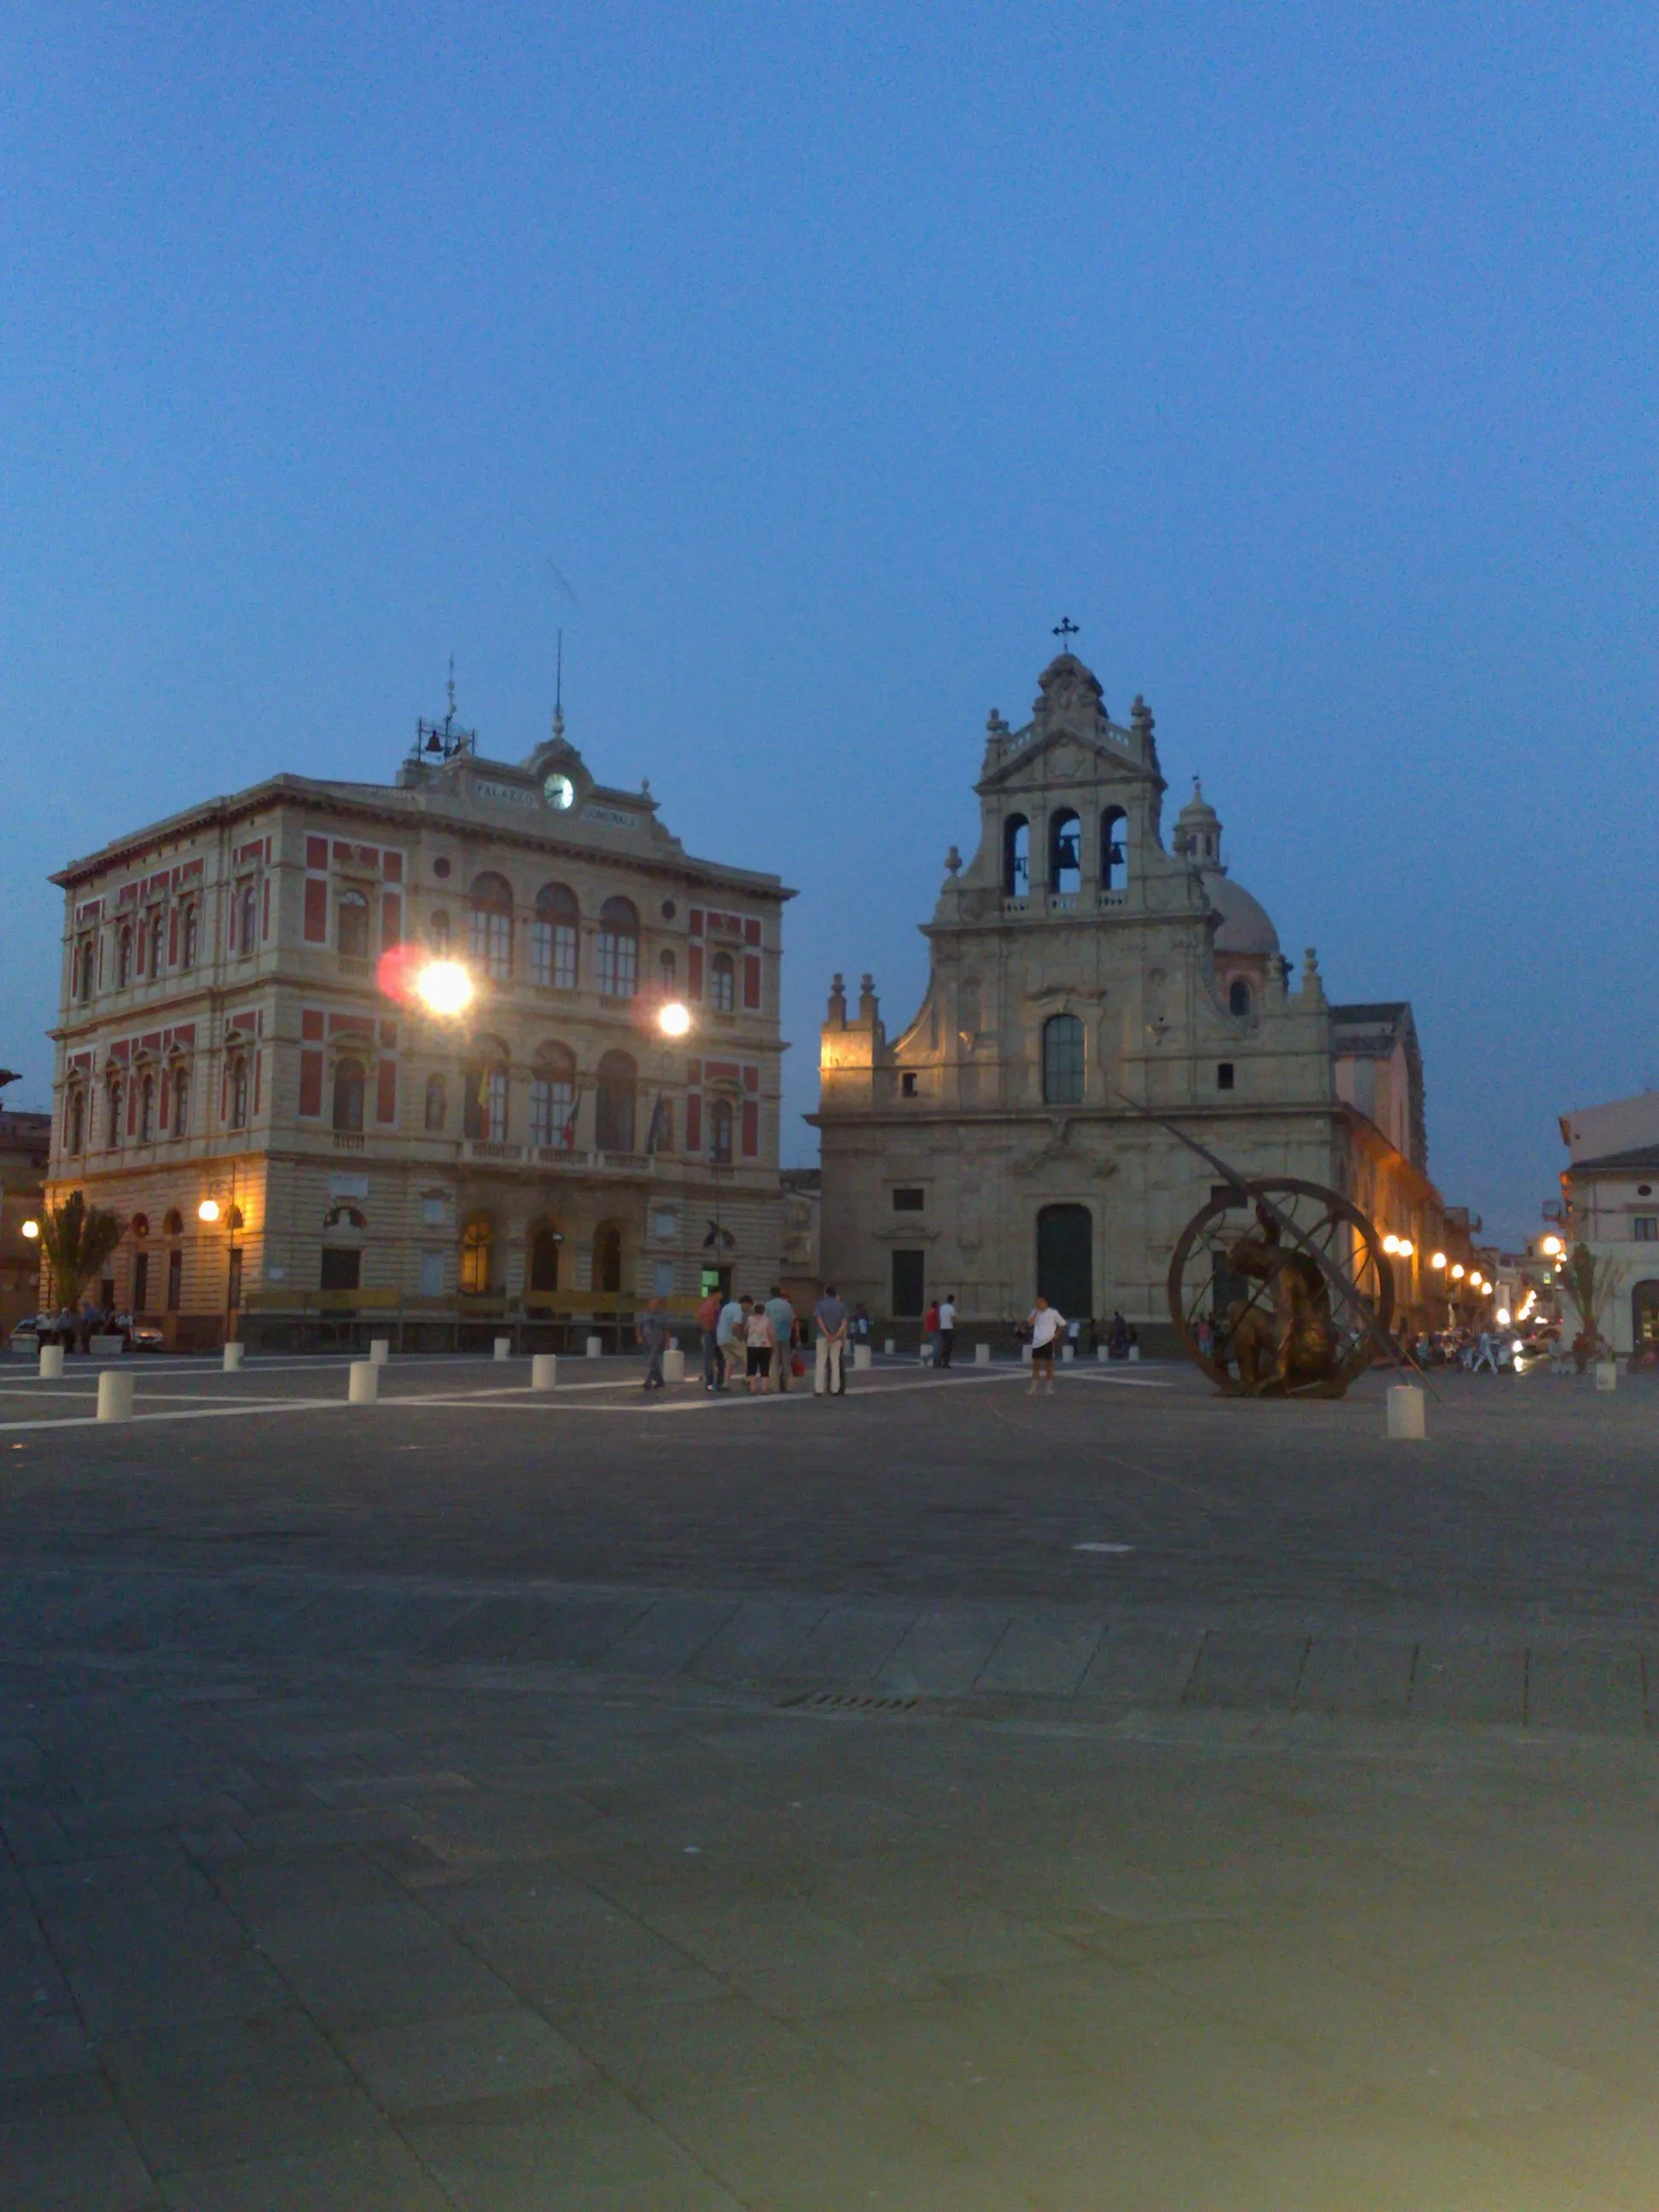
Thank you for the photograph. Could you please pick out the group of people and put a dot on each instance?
(749, 1341)
(75, 1331)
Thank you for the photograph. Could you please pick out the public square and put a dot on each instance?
(934, 1798)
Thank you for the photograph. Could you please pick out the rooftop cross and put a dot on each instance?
(1065, 630)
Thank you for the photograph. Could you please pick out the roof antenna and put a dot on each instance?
(558, 690)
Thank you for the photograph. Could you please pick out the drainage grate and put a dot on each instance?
(848, 1701)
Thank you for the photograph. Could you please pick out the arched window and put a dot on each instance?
(181, 1101)
(492, 926)
(1238, 998)
(553, 1098)
(543, 1271)
(668, 974)
(719, 1131)
(475, 1257)
(157, 940)
(190, 935)
(437, 1101)
(139, 1224)
(553, 939)
(722, 983)
(484, 1100)
(1114, 849)
(438, 931)
(353, 925)
(123, 958)
(237, 1094)
(1066, 852)
(86, 963)
(1062, 1061)
(116, 1100)
(173, 1223)
(615, 1121)
(146, 1109)
(248, 934)
(1016, 857)
(347, 1094)
(618, 949)
(75, 1122)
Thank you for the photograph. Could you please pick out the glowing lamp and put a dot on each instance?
(1503, 1316)
(445, 987)
(1437, 1260)
(673, 1019)
(1552, 1245)
(31, 1229)
(208, 1210)
(1406, 1248)
(1391, 1243)
(1457, 1272)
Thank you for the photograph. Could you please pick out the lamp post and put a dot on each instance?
(208, 1213)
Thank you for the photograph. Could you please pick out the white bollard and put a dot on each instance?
(1405, 1404)
(1067, 1352)
(545, 1372)
(1606, 1374)
(379, 1350)
(890, 1346)
(503, 1348)
(1102, 1353)
(595, 1346)
(981, 1355)
(365, 1384)
(1134, 1353)
(234, 1352)
(674, 1365)
(861, 1356)
(926, 1355)
(115, 1395)
(1025, 1352)
(52, 1363)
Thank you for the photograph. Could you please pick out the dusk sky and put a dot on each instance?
(805, 366)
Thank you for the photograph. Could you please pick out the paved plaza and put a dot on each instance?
(937, 1798)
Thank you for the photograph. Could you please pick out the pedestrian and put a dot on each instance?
(729, 1332)
(786, 1332)
(1045, 1322)
(757, 1338)
(64, 1327)
(930, 1334)
(653, 1331)
(1486, 1353)
(708, 1321)
(947, 1327)
(859, 1328)
(830, 1314)
(1206, 1339)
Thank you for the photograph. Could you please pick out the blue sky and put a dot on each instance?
(1304, 357)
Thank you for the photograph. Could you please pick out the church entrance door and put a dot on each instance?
(1065, 1260)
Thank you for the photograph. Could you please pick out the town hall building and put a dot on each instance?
(1082, 970)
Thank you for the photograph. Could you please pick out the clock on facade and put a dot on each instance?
(558, 791)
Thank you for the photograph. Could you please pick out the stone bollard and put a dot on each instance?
(1134, 1353)
(365, 1384)
(1102, 1353)
(379, 1350)
(1067, 1352)
(52, 1363)
(861, 1356)
(926, 1355)
(981, 1355)
(115, 1395)
(674, 1365)
(234, 1352)
(595, 1347)
(890, 1346)
(503, 1348)
(1606, 1374)
(545, 1372)
(1405, 1404)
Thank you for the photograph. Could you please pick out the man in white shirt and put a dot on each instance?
(829, 1379)
(1045, 1322)
(947, 1328)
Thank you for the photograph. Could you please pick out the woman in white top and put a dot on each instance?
(759, 1338)
(1045, 1322)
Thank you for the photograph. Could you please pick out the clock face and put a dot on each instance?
(558, 791)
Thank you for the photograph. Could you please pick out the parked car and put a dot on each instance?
(146, 1336)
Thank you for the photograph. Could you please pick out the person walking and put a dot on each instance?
(947, 1327)
(786, 1332)
(830, 1314)
(1045, 1322)
(708, 1321)
(757, 1338)
(729, 1331)
(930, 1335)
(652, 1333)
(1486, 1353)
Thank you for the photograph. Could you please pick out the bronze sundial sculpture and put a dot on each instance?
(1314, 1292)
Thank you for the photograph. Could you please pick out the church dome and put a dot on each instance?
(1246, 926)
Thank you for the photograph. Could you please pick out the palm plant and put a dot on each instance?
(76, 1239)
(1587, 1281)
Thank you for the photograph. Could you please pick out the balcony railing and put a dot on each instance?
(487, 1148)
(348, 1140)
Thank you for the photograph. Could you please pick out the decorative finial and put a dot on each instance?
(645, 786)
(451, 686)
(1198, 793)
(558, 690)
(953, 862)
(1065, 629)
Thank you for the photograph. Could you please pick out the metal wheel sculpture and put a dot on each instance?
(1291, 1316)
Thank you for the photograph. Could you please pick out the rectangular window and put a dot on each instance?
(432, 1274)
(617, 963)
(909, 1200)
(662, 1278)
(1644, 1228)
(907, 1085)
(341, 1270)
(492, 942)
(553, 1112)
(1224, 1076)
(909, 1276)
(175, 1279)
(140, 1283)
(553, 954)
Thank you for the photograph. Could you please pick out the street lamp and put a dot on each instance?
(1437, 1262)
(444, 987)
(209, 1212)
(31, 1229)
(1552, 1246)
(673, 1019)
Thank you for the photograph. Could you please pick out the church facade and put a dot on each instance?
(1082, 971)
